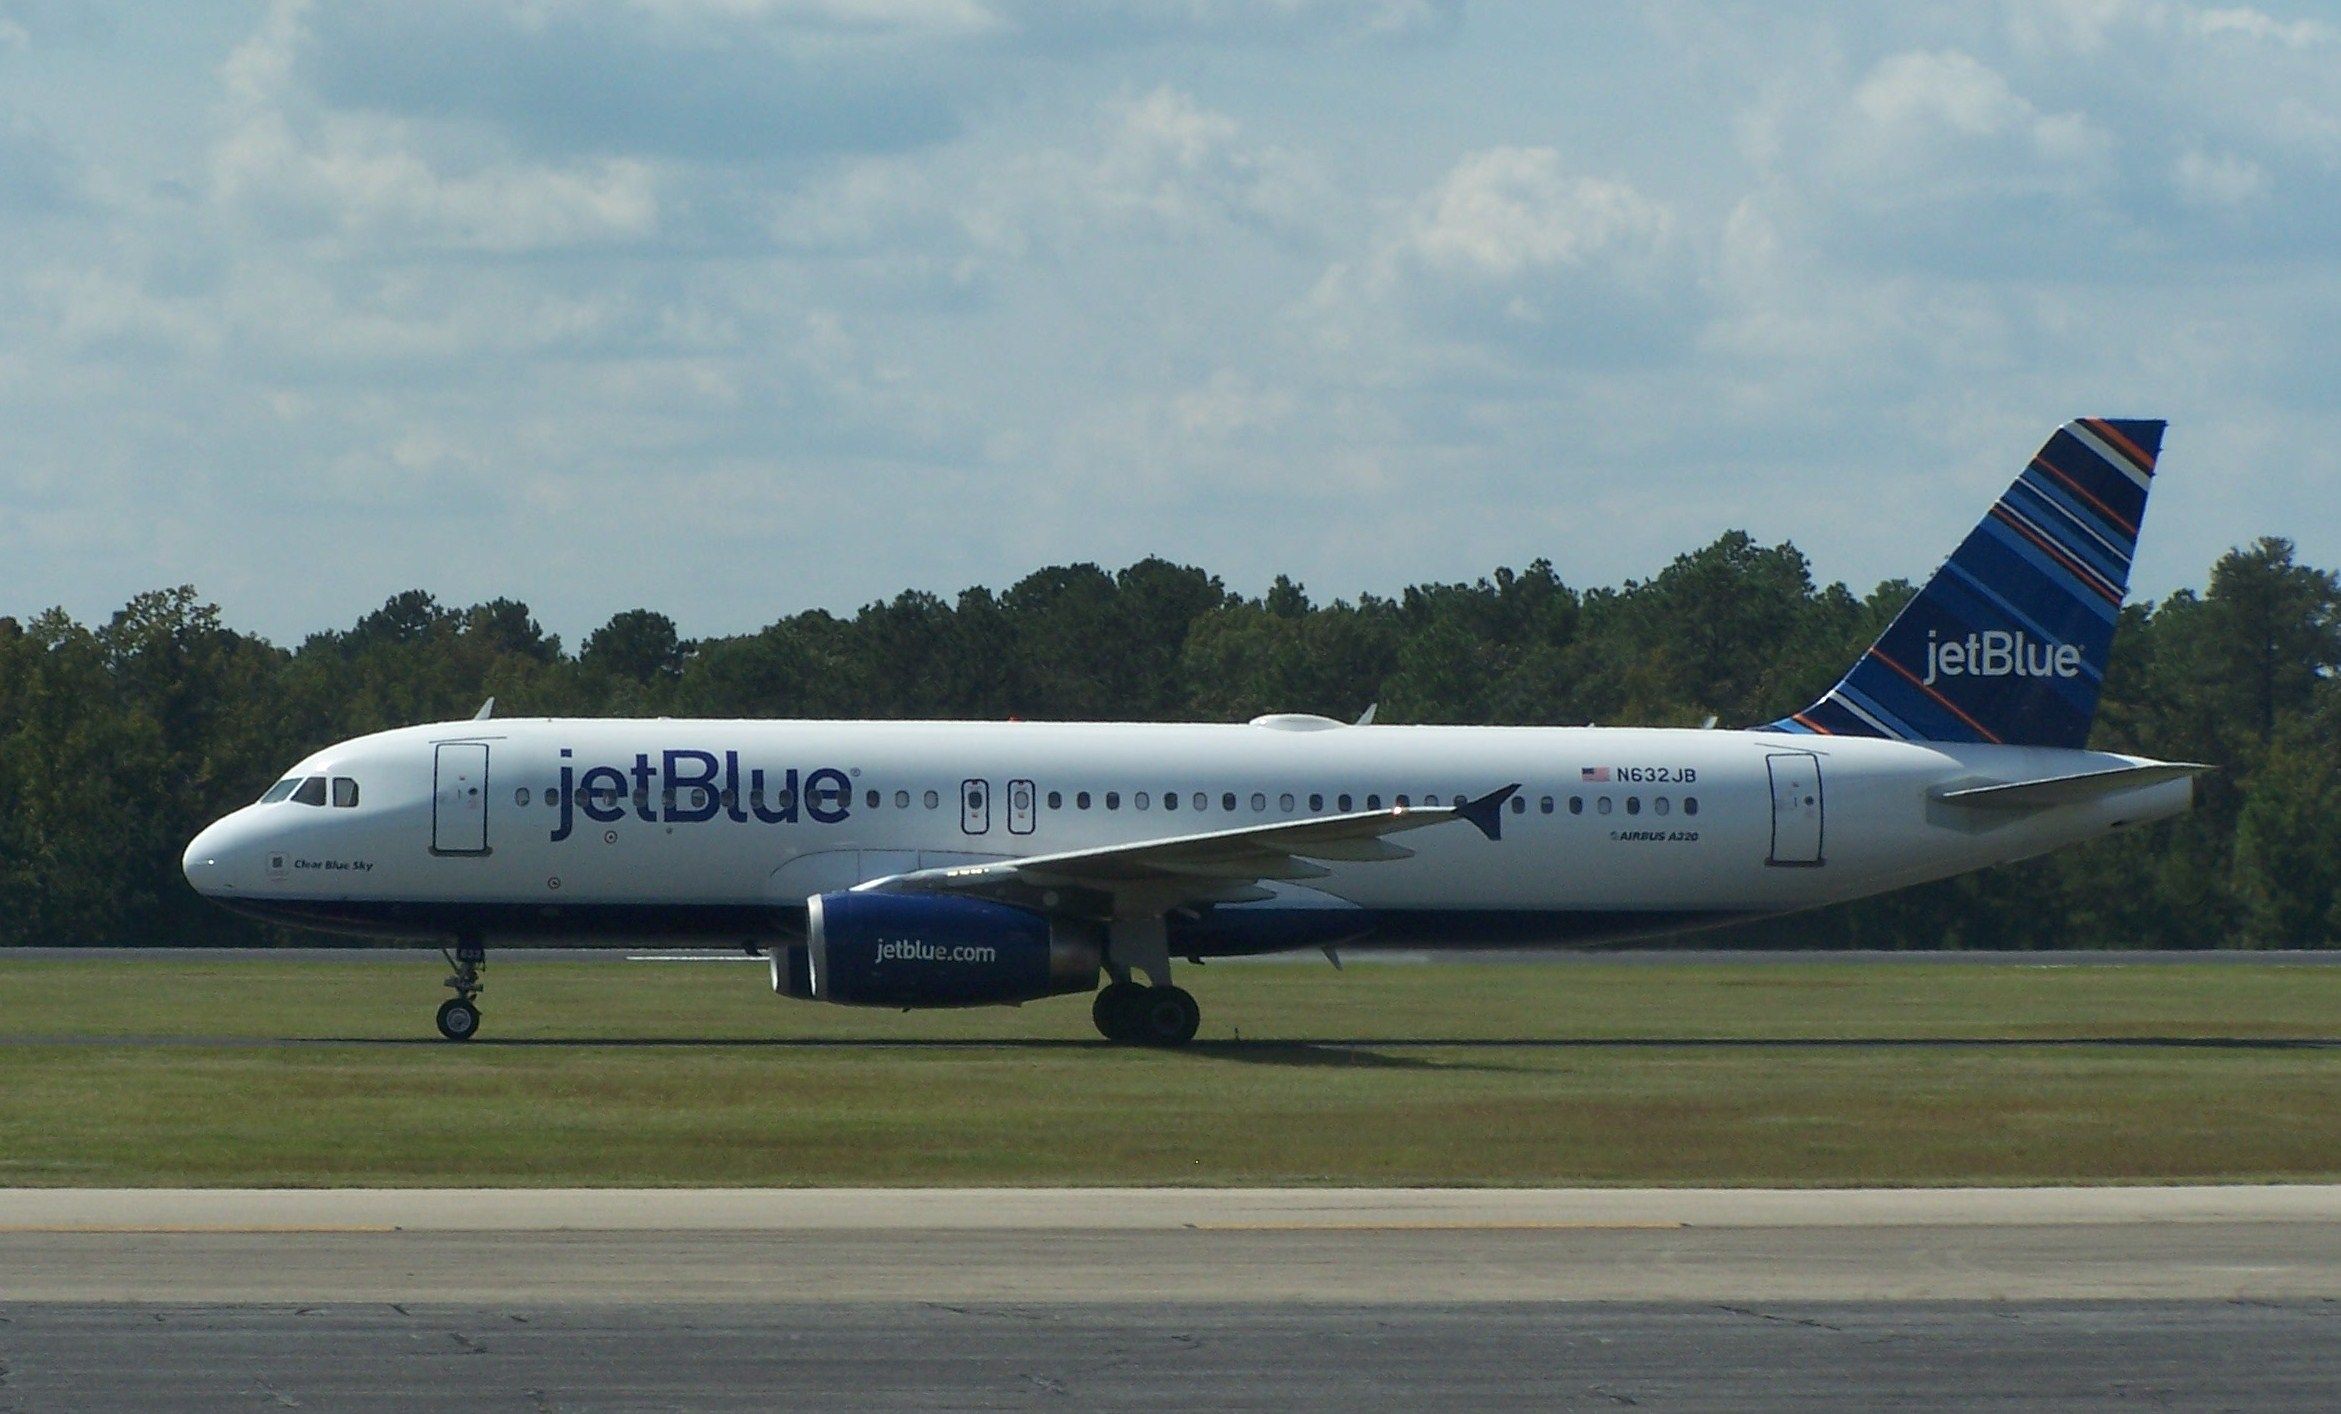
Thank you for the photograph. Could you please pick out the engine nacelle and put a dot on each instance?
(913, 950)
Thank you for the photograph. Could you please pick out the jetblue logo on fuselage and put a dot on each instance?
(2000, 653)
(689, 787)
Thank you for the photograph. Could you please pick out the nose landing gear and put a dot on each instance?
(459, 1016)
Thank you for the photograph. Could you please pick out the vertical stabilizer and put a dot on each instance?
(2008, 642)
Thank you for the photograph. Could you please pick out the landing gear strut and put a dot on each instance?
(459, 1016)
(1146, 1016)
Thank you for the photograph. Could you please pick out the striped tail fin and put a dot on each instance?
(2008, 642)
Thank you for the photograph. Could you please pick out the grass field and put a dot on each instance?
(178, 1072)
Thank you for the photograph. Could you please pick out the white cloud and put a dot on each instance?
(1166, 162)
(1127, 21)
(1510, 250)
(368, 182)
(2220, 179)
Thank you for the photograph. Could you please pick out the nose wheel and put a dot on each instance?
(459, 1019)
(459, 1016)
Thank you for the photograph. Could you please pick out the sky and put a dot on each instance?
(734, 308)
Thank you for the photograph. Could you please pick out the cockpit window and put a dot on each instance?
(310, 791)
(345, 792)
(280, 790)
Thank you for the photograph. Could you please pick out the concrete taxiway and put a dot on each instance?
(1288, 1298)
(1105, 1245)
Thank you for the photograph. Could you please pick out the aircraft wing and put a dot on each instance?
(1217, 866)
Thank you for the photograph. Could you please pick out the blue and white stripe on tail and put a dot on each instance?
(2008, 642)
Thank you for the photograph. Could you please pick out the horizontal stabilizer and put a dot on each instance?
(2071, 790)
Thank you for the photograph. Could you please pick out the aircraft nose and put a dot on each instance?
(206, 862)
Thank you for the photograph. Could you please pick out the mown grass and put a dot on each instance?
(306, 1072)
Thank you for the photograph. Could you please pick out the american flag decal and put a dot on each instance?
(1594, 775)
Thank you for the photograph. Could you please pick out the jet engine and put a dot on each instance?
(916, 950)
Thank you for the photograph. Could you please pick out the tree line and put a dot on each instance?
(119, 740)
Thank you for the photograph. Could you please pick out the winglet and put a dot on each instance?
(487, 710)
(1487, 813)
(1366, 718)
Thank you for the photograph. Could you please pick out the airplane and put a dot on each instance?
(947, 864)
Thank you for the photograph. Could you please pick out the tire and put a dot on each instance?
(1167, 1016)
(459, 1020)
(1116, 1010)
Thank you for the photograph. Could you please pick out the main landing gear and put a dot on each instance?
(1138, 945)
(1146, 1016)
(459, 1016)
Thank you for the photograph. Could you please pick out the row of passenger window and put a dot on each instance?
(313, 790)
(1287, 803)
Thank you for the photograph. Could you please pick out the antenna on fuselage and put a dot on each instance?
(487, 710)
(1366, 718)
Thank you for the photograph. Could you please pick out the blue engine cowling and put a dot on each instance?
(912, 950)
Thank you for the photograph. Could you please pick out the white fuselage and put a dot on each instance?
(631, 830)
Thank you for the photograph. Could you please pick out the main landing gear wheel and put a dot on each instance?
(1148, 1016)
(1115, 1009)
(459, 1019)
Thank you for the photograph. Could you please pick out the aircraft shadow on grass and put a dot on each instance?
(1306, 1052)
(1389, 1052)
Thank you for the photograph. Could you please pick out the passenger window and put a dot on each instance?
(902, 800)
(1316, 802)
(1660, 805)
(1345, 807)
(1633, 805)
(1203, 802)
(1284, 802)
(1601, 806)
(731, 798)
(1227, 802)
(871, 800)
(1081, 800)
(1690, 805)
(1400, 802)
(1520, 805)
(310, 791)
(1056, 800)
(1260, 802)
(519, 797)
(1545, 806)
(1374, 801)
(1576, 805)
(1170, 800)
(1113, 800)
(933, 800)
(280, 790)
(666, 798)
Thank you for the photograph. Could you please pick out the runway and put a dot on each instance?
(1285, 1298)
